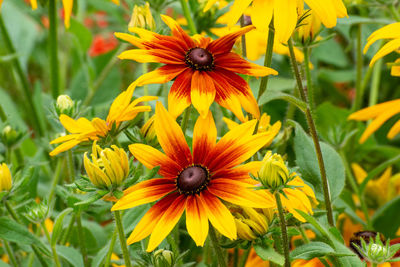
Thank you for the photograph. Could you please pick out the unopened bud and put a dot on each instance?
(142, 18)
(273, 172)
(5, 178)
(64, 104)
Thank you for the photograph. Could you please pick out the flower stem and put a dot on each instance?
(188, 16)
(314, 135)
(81, 238)
(65, 237)
(23, 79)
(111, 249)
(217, 248)
(267, 60)
(310, 88)
(53, 49)
(236, 257)
(359, 89)
(10, 253)
(285, 240)
(394, 11)
(122, 240)
(185, 118)
(53, 247)
(376, 78)
(243, 40)
(56, 179)
(244, 257)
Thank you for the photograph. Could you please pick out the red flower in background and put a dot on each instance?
(102, 44)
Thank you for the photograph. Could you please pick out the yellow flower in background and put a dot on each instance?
(142, 18)
(379, 113)
(391, 32)
(5, 178)
(263, 126)
(122, 109)
(310, 27)
(284, 13)
(108, 168)
(315, 262)
(251, 222)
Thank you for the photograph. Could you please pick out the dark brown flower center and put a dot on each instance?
(192, 180)
(246, 20)
(199, 59)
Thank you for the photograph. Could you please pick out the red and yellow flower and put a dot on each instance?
(195, 182)
(205, 70)
(122, 109)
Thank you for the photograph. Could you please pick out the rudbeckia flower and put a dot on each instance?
(5, 178)
(122, 109)
(205, 70)
(284, 13)
(195, 182)
(391, 31)
(380, 113)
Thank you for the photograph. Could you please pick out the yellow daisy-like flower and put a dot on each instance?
(122, 109)
(5, 178)
(284, 13)
(195, 182)
(391, 32)
(108, 168)
(380, 113)
(263, 126)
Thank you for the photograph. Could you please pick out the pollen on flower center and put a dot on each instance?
(199, 59)
(192, 179)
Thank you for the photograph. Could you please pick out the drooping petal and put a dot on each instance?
(386, 49)
(340, 8)
(391, 31)
(33, 4)
(204, 137)
(160, 75)
(325, 11)
(179, 95)
(202, 92)
(219, 215)
(374, 111)
(150, 219)
(171, 138)
(196, 220)
(236, 11)
(261, 13)
(64, 147)
(145, 192)
(285, 19)
(167, 222)
(240, 193)
(151, 157)
(225, 43)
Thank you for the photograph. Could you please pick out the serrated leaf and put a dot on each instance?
(268, 253)
(312, 250)
(57, 229)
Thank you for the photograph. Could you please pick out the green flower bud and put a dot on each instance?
(38, 212)
(64, 105)
(10, 136)
(273, 172)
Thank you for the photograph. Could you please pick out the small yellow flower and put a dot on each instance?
(311, 26)
(142, 18)
(380, 113)
(5, 178)
(251, 222)
(273, 173)
(263, 126)
(108, 168)
(122, 109)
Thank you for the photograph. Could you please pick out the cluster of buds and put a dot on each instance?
(5, 178)
(251, 223)
(273, 173)
(142, 18)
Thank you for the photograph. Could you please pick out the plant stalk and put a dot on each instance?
(310, 88)
(10, 253)
(243, 38)
(53, 50)
(218, 251)
(376, 78)
(314, 135)
(122, 241)
(189, 19)
(267, 59)
(244, 257)
(53, 247)
(81, 238)
(111, 249)
(359, 60)
(285, 240)
(185, 118)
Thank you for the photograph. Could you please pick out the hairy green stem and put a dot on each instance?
(304, 235)
(56, 179)
(31, 110)
(82, 239)
(267, 60)
(111, 249)
(376, 79)
(359, 60)
(314, 135)
(185, 118)
(243, 38)
(189, 19)
(236, 257)
(244, 257)
(53, 247)
(310, 88)
(67, 233)
(122, 241)
(217, 249)
(53, 50)
(285, 239)
(10, 253)
(70, 166)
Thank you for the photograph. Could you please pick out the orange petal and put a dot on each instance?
(202, 92)
(225, 43)
(218, 214)
(394, 130)
(150, 219)
(179, 95)
(204, 137)
(153, 55)
(171, 138)
(374, 111)
(240, 193)
(130, 38)
(151, 157)
(178, 32)
(161, 75)
(167, 222)
(196, 220)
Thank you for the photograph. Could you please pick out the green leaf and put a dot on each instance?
(306, 159)
(15, 232)
(71, 255)
(273, 95)
(101, 255)
(90, 198)
(3, 264)
(82, 34)
(386, 219)
(312, 250)
(268, 253)
(58, 225)
(325, 50)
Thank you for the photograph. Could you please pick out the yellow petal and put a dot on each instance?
(374, 111)
(285, 19)
(230, 123)
(196, 220)
(67, 11)
(202, 92)
(394, 130)
(391, 31)
(325, 11)
(386, 49)
(237, 9)
(261, 13)
(33, 4)
(160, 75)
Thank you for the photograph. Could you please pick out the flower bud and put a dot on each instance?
(273, 172)
(370, 246)
(5, 178)
(38, 212)
(10, 136)
(148, 131)
(310, 27)
(108, 168)
(64, 104)
(165, 255)
(142, 18)
(250, 222)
